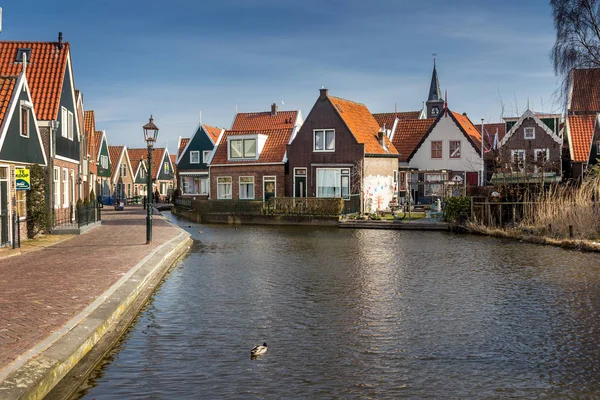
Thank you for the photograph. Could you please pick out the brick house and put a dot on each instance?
(89, 129)
(249, 164)
(340, 151)
(193, 158)
(50, 77)
(21, 146)
(531, 150)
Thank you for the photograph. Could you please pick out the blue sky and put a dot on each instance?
(174, 59)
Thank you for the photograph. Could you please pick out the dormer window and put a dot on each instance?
(20, 52)
(242, 148)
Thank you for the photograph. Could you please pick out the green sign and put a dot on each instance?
(22, 181)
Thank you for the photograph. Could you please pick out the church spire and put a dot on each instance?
(435, 94)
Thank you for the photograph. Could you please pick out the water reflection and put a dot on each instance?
(358, 314)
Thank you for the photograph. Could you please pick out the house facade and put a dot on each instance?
(122, 177)
(21, 146)
(91, 152)
(531, 150)
(340, 151)
(140, 171)
(193, 159)
(104, 166)
(163, 171)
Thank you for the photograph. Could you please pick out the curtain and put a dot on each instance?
(328, 183)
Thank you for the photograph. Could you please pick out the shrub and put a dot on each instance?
(455, 206)
(38, 215)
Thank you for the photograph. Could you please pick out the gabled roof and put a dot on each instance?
(114, 152)
(580, 133)
(585, 90)
(89, 122)
(362, 125)
(173, 159)
(137, 158)
(98, 136)
(388, 119)
(490, 131)
(7, 88)
(213, 133)
(183, 142)
(530, 114)
(465, 124)
(408, 135)
(45, 72)
(158, 155)
(273, 150)
(264, 120)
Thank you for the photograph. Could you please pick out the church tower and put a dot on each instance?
(435, 103)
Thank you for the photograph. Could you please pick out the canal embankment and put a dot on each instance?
(64, 306)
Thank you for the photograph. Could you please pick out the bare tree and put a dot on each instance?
(577, 44)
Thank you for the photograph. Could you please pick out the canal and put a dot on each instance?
(362, 314)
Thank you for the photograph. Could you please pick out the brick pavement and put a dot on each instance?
(41, 291)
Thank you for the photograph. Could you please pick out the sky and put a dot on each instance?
(183, 61)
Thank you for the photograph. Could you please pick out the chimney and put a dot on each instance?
(465, 114)
(60, 44)
(273, 110)
(323, 93)
(380, 136)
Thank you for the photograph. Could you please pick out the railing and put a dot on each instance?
(183, 202)
(88, 214)
(76, 217)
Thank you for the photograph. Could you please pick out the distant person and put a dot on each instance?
(157, 195)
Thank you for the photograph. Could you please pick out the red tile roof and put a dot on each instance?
(97, 143)
(173, 158)
(408, 135)
(182, 143)
(581, 133)
(362, 125)
(7, 87)
(272, 152)
(213, 132)
(115, 153)
(136, 156)
(157, 157)
(89, 122)
(45, 73)
(473, 134)
(264, 120)
(387, 119)
(585, 90)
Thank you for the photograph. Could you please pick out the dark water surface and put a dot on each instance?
(363, 314)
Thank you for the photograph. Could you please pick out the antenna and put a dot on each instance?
(200, 117)
(0, 19)
(434, 56)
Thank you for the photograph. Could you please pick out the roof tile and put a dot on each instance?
(387, 119)
(182, 143)
(272, 152)
(7, 87)
(264, 120)
(581, 133)
(586, 90)
(408, 135)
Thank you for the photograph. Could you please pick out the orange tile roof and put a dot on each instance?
(213, 132)
(173, 158)
(581, 133)
(182, 143)
(136, 156)
(157, 157)
(472, 134)
(272, 152)
(408, 135)
(45, 73)
(7, 87)
(114, 152)
(362, 125)
(97, 143)
(264, 120)
(387, 119)
(585, 90)
(89, 122)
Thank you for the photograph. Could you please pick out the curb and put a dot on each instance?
(36, 372)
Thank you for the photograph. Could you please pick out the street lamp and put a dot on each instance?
(150, 136)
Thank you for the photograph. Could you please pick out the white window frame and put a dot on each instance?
(63, 119)
(244, 155)
(228, 196)
(529, 133)
(57, 187)
(65, 189)
(538, 151)
(123, 170)
(343, 173)
(195, 157)
(270, 178)
(521, 157)
(206, 156)
(325, 132)
(253, 183)
(186, 186)
(71, 125)
(206, 189)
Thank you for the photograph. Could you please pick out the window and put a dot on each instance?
(26, 52)
(333, 182)
(70, 125)
(104, 162)
(529, 133)
(242, 148)
(300, 171)
(194, 157)
(455, 149)
(66, 121)
(65, 181)
(204, 186)
(206, 156)
(224, 187)
(123, 169)
(402, 180)
(56, 187)
(186, 187)
(436, 149)
(518, 158)
(435, 187)
(25, 121)
(166, 167)
(21, 208)
(324, 140)
(395, 176)
(246, 187)
(142, 173)
(541, 155)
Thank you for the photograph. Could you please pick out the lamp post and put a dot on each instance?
(150, 136)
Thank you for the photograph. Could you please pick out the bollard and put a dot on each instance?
(571, 231)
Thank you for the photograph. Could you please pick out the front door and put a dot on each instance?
(268, 189)
(300, 186)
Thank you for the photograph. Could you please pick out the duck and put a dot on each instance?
(259, 350)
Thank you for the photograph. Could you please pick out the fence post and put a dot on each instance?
(14, 233)
(18, 231)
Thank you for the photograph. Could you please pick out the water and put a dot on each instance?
(362, 314)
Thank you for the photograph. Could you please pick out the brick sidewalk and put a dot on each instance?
(42, 290)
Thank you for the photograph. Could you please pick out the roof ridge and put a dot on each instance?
(343, 99)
